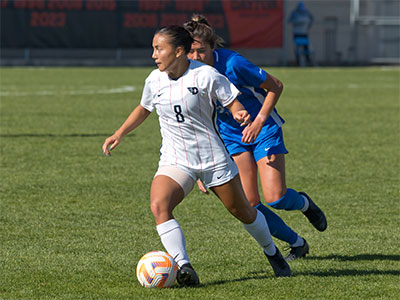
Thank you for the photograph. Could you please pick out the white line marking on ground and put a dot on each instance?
(100, 91)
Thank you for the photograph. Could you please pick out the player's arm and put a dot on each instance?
(248, 74)
(238, 112)
(226, 93)
(137, 116)
(274, 89)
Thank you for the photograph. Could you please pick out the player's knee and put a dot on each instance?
(252, 197)
(254, 200)
(249, 216)
(246, 214)
(158, 207)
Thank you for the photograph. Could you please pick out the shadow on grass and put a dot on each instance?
(51, 135)
(349, 272)
(355, 257)
(325, 273)
(263, 274)
(221, 282)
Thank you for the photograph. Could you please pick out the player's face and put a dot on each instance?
(164, 53)
(201, 51)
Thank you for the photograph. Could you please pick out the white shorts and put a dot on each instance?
(186, 178)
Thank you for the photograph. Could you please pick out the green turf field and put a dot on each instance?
(73, 223)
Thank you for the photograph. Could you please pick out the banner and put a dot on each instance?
(131, 24)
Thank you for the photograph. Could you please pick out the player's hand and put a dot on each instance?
(242, 117)
(202, 187)
(114, 141)
(251, 132)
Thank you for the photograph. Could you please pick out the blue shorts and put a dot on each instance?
(265, 145)
(301, 40)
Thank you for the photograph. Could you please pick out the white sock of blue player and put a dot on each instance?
(292, 200)
(173, 241)
(260, 232)
(299, 242)
(277, 227)
(306, 203)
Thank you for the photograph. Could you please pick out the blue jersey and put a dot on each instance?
(247, 78)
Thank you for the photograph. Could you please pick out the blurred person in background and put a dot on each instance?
(260, 146)
(301, 20)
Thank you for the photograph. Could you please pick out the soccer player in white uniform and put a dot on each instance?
(184, 94)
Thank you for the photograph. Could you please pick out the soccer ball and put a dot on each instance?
(156, 269)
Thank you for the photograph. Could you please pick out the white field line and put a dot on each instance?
(387, 85)
(119, 90)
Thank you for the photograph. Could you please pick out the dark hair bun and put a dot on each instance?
(200, 19)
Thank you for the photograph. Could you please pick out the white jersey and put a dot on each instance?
(187, 114)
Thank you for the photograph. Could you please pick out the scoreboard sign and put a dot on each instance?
(132, 23)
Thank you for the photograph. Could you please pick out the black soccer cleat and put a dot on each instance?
(298, 252)
(279, 264)
(187, 276)
(314, 214)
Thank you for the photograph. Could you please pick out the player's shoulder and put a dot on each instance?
(225, 52)
(229, 60)
(155, 78)
(237, 64)
(199, 66)
(202, 69)
(155, 74)
(226, 55)
(205, 74)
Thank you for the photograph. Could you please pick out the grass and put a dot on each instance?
(74, 223)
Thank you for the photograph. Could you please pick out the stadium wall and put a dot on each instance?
(109, 32)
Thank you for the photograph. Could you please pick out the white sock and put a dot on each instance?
(299, 242)
(173, 240)
(259, 230)
(306, 204)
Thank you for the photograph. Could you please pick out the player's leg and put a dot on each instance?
(165, 195)
(307, 54)
(272, 176)
(168, 189)
(232, 196)
(248, 176)
(297, 53)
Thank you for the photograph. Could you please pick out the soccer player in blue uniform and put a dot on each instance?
(259, 146)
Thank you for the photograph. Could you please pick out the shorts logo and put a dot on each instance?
(219, 177)
(193, 90)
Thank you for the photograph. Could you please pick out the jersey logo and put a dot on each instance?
(193, 90)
